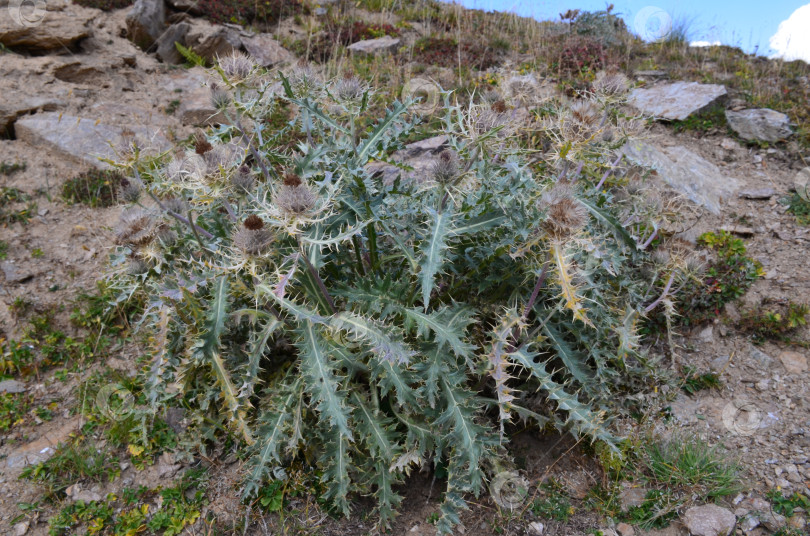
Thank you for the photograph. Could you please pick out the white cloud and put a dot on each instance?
(705, 44)
(792, 39)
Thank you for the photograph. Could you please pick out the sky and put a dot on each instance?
(753, 25)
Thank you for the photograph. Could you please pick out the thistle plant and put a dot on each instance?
(316, 313)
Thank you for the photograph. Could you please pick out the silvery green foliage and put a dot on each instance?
(317, 312)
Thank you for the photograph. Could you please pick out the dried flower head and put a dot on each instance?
(220, 98)
(136, 266)
(445, 168)
(136, 227)
(499, 106)
(565, 215)
(294, 197)
(175, 204)
(186, 168)
(349, 88)
(611, 84)
(583, 121)
(201, 144)
(243, 180)
(223, 156)
(237, 66)
(129, 191)
(252, 238)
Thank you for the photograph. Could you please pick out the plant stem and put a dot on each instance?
(314, 273)
(540, 280)
(171, 213)
(663, 295)
(608, 172)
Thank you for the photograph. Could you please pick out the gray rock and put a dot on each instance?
(371, 47)
(211, 41)
(429, 145)
(676, 101)
(266, 50)
(146, 21)
(58, 30)
(759, 124)
(801, 182)
(186, 6)
(11, 109)
(13, 275)
(21, 528)
(631, 496)
(86, 140)
(697, 178)
(166, 47)
(42, 448)
(758, 193)
(536, 528)
(12, 386)
(709, 520)
(794, 362)
(650, 74)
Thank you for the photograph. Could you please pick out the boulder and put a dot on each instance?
(186, 6)
(794, 362)
(58, 30)
(709, 520)
(266, 50)
(11, 109)
(166, 48)
(801, 182)
(210, 40)
(676, 101)
(146, 21)
(759, 124)
(373, 47)
(689, 173)
(86, 140)
(189, 87)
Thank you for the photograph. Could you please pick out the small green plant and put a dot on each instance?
(552, 502)
(94, 188)
(172, 107)
(3, 250)
(774, 323)
(10, 209)
(37, 253)
(9, 168)
(13, 409)
(800, 208)
(786, 504)
(693, 381)
(728, 276)
(712, 118)
(192, 58)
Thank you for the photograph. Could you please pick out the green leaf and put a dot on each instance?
(448, 324)
(573, 361)
(610, 221)
(477, 224)
(364, 151)
(383, 341)
(432, 250)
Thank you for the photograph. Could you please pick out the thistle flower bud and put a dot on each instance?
(294, 197)
(445, 168)
(565, 215)
(499, 106)
(175, 204)
(237, 66)
(220, 98)
(136, 227)
(136, 266)
(243, 180)
(611, 84)
(303, 80)
(349, 89)
(252, 238)
(583, 121)
(129, 191)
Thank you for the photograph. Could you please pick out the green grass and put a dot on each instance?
(15, 206)
(695, 381)
(552, 502)
(799, 207)
(93, 188)
(79, 461)
(8, 168)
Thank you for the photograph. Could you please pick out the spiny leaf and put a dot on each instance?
(448, 324)
(384, 342)
(610, 221)
(321, 380)
(432, 249)
(568, 291)
(477, 224)
(574, 362)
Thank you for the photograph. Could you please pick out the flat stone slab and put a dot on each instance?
(689, 173)
(380, 45)
(43, 448)
(676, 101)
(87, 140)
(760, 124)
(12, 386)
(53, 29)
